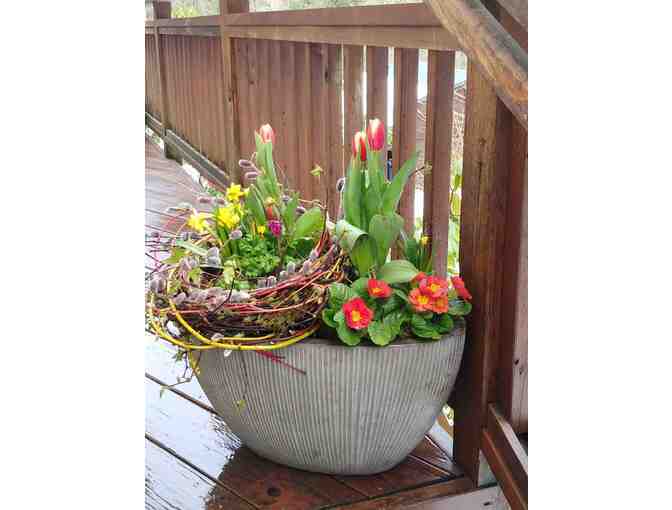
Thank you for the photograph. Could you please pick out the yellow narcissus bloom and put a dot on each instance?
(424, 240)
(234, 193)
(261, 229)
(228, 216)
(197, 221)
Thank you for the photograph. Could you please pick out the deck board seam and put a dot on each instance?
(193, 466)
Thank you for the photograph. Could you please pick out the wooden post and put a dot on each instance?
(231, 129)
(496, 53)
(492, 146)
(376, 89)
(162, 10)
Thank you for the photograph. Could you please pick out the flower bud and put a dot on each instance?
(313, 255)
(272, 281)
(236, 234)
(261, 283)
(204, 200)
(300, 210)
(359, 145)
(283, 275)
(245, 164)
(375, 133)
(291, 268)
(340, 184)
(267, 134)
(173, 329)
(220, 201)
(179, 299)
(212, 252)
(251, 176)
(305, 268)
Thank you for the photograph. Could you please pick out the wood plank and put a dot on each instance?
(319, 103)
(353, 80)
(517, 9)
(245, 126)
(514, 495)
(411, 15)
(433, 38)
(229, 89)
(376, 88)
(497, 54)
(486, 166)
(403, 499)
(404, 135)
(438, 154)
(286, 133)
(410, 473)
(190, 31)
(171, 483)
(304, 131)
(206, 441)
(277, 72)
(508, 447)
(335, 168)
(196, 21)
(200, 162)
(490, 497)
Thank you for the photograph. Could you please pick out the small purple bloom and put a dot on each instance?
(236, 234)
(275, 227)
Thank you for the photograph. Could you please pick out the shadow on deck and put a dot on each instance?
(194, 461)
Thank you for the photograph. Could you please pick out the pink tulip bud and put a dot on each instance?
(375, 132)
(359, 145)
(267, 134)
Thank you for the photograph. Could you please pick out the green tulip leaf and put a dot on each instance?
(397, 271)
(308, 223)
(384, 229)
(396, 187)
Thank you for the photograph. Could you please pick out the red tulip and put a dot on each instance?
(375, 132)
(359, 145)
(266, 133)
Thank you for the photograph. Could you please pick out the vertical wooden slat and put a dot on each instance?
(486, 164)
(229, 98)
(303, 81)
(244, 126)
(335, 168)
(376, 87)
(169, 55)
(404, 136)
(200, 115)
(265, 90)
(219, 94)
(277, 107)
(353, 68)
(438, 144)
(288, 126)
(252, 88)
(319, 105)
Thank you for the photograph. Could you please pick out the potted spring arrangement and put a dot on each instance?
(356, 396)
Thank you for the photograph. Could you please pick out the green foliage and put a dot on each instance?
(258, 256)
(397, 271)
(416, 252)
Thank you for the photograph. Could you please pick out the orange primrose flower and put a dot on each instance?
(434, 287)
(378, 289)
(439, 305)
(421, 302)
(460, 288)
(418, 278)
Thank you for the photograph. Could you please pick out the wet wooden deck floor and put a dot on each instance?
(194, 461)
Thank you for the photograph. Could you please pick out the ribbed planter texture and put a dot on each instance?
(358, 410)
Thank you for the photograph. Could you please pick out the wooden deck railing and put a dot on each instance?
(212, 81)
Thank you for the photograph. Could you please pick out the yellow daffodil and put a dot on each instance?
(197, 221)
(261, 229)
(234, 193)
(269, 201)
(424, 240)
(228, 216)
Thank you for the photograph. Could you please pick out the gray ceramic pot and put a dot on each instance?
(358, 410)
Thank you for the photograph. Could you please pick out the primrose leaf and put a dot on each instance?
(459, 307)
(361, 287)
(328, 318)
(397, 271)
(445, 323)
(347, 335)
(339, 293)
(423, 328)
(380, 333)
